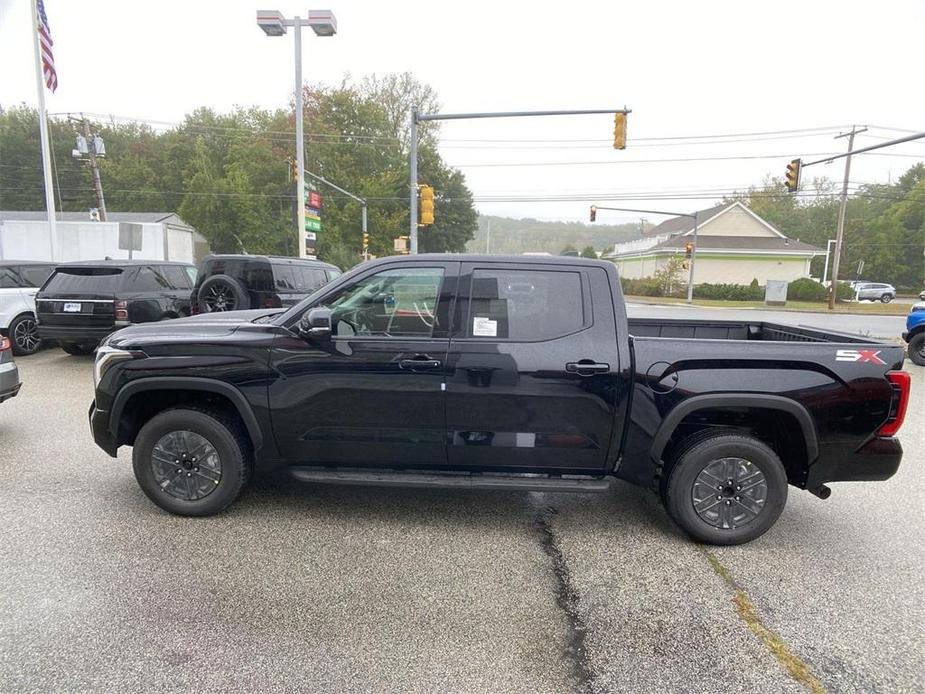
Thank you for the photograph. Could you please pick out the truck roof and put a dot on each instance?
(483, 258)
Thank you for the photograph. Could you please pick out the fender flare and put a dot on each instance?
(719, 400)
(201, 385)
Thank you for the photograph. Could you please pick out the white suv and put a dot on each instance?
(875, 291)
(19, 282)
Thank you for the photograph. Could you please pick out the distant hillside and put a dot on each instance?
(532, 236)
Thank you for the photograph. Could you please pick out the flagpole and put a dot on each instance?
(43, 130)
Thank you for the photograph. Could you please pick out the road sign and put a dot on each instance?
(312, 224)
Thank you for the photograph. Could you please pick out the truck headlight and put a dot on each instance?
(106, 357)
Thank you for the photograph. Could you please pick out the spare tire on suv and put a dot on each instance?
(231, 282)
(222, 293)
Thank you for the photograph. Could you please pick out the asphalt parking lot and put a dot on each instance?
(362, 589)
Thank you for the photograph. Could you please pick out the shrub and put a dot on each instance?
(806, 289)
(641, 287)
(729, 292)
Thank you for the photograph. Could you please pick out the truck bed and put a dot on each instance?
(736, 330)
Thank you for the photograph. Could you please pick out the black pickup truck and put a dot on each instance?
(500, 373)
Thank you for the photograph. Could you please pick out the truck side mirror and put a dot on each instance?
(315, 324)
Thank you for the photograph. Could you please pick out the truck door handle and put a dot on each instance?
(420, 363)
(586, 367)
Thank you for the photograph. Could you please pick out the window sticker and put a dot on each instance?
(484, 327)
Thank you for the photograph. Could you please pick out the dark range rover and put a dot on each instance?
(242, 282)
(498, 372)
(81, 303)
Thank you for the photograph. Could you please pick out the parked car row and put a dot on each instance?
(80, 303)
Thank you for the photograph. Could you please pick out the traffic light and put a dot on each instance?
(365, 241)
(593, 213)
(427, 205)
(793, 175)
(688, 249)
(619, 131)
(293, 170)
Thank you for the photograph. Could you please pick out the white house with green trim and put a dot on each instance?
(734, 246)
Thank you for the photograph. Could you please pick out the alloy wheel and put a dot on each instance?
(26, 335)
(186, 466)
(220, 299)
(729, 493)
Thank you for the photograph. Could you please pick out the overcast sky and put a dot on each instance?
(684, 68)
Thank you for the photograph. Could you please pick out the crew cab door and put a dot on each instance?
(371, 394)
(532, 371)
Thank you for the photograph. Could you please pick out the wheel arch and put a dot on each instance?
(177, 390)
(780, 409)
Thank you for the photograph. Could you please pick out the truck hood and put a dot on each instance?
(205, 325)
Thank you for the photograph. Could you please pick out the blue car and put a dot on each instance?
(915, 333)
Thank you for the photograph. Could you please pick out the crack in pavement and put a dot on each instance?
(792, 663)
(567, 599)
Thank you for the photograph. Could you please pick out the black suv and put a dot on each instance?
(81, 303)
(241, 282)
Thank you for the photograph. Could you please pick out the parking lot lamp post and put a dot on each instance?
(323, 23)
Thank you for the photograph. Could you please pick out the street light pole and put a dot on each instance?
(299, 142)
(323, 23)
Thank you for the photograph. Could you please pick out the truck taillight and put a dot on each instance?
(901, 384)
(5, 344)
(121, 308)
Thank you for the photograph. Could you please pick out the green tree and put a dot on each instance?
(589, 252)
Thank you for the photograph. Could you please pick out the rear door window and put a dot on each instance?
(35, 275)
(332, 273)
(9, 278)
(147, 279)
(525, 305)
(175, 275)
(285, 278)
(312, 278)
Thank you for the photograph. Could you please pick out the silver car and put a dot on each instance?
(9, 374)
(875, 291)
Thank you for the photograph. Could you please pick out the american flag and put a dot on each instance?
(48, 59)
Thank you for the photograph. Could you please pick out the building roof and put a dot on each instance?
(740, 243)
(679, 225)
(685, 225)
(137, 217)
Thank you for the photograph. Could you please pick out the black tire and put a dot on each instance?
(229, 442)
(692, 466)
(222, 293)
(76, 349)
(917, 349)
(23, 334)
(886, 298)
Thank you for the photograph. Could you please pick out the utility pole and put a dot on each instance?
(94, 167)
(488, 237)
(840, 231)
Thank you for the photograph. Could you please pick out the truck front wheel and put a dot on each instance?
(917, 349)
(725, 489)
(191, 462)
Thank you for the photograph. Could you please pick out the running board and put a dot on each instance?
(466, 480)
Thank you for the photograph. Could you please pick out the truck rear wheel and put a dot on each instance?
(191, 462)
(725, 489)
